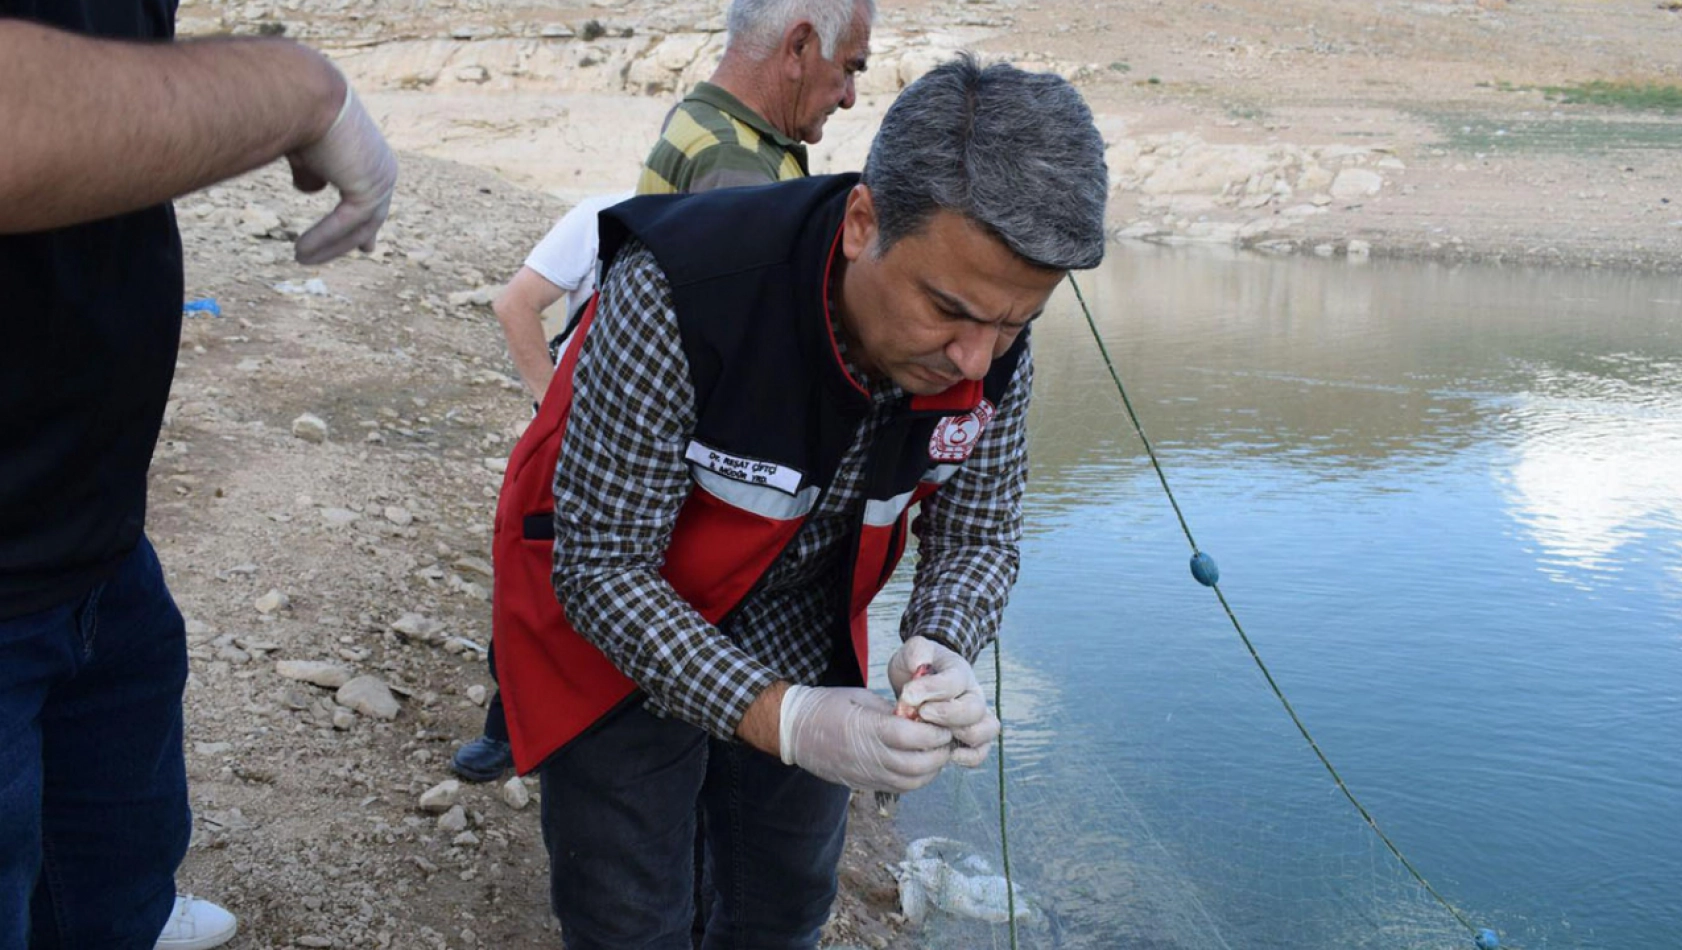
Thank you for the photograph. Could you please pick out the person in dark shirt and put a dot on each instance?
(105, 120)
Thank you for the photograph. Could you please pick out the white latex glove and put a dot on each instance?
(353, 158)
(948, 694)
(851, 737)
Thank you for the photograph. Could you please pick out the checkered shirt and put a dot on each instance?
(622, 479)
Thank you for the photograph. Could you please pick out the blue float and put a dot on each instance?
(1487, 940)
(1203, 568)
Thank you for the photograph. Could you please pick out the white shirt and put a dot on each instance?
(566, 257)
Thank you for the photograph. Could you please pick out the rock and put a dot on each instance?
(370, 696)
(1354, 183)
(440, 798)
(272, 601)
(1314, 178)
(313, 941)
(478, 297)
(338, 517)
(473, 74)
(466, 839)
(310, 428)
(399, 516)
(474, 565)
(417, 627)
(1207, 169)
(343, 718)
(453, 820)
(1358, 250)
(257, 221)
(476, 694)
(328, 675)
(498, 465)
(515, 793)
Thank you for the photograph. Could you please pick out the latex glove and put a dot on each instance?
(948, 694)
(353, 158)
(852, 737)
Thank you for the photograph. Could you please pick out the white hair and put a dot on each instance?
(757, 26)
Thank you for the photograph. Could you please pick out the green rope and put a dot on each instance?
(1004, 836)
(1277, 692)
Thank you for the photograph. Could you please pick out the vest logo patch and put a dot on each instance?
(955, 437)
(742, 469)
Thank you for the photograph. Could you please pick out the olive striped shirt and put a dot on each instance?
(711, 140)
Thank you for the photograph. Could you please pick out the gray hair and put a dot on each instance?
(757, 26)
(1013, 151)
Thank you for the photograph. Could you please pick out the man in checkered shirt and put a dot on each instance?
(983, 188)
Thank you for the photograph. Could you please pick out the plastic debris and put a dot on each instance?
(946, 875)
(1487, 940)
(315, 287)
(1203, 568)
(204, 305)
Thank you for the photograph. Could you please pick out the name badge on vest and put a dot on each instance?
(752, 471)
(955, 437)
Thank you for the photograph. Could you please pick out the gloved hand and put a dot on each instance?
(852, 737)
(947, 695)
(353, 158)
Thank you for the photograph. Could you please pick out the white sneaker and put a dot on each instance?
(196, 924)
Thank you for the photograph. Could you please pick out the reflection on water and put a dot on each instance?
(1598, 468)
(1447, 504)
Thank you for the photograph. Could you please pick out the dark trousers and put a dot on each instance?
(496, 721)
(619, 818)
(93, 788)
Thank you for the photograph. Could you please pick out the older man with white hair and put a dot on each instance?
(787, 66)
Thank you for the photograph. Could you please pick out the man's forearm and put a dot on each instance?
(761, 724)
(519, 308)
(96, 128)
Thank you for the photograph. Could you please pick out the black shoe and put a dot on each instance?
(482, 760)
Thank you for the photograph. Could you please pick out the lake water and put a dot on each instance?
(1447, 507)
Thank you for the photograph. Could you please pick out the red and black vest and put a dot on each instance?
(775, 412)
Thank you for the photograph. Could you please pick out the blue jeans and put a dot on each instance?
(93, 788)
(619, 816)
